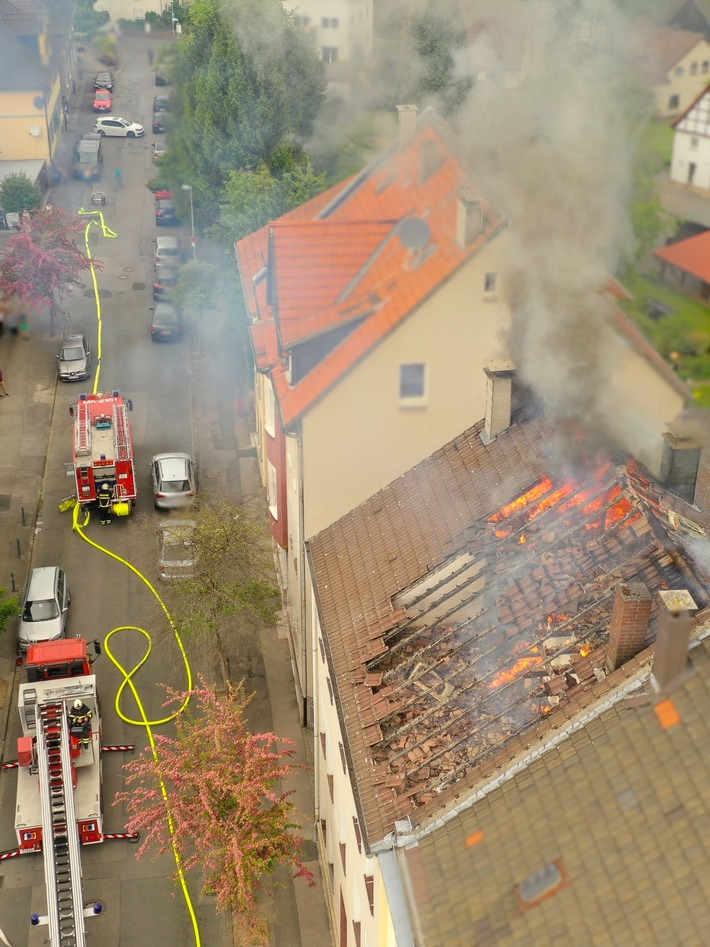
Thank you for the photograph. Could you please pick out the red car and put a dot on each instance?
(103, 102)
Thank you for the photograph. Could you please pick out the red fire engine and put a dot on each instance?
(59, 796)
(103, 450)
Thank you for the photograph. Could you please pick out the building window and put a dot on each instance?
(273, 490)
(331, 873)
(693, 69)
(412, 380)
(330, 688)
(674, 102)
(679, 71)
(331, 788)
(356, 933)
(329, 21)
(322, 650)
(322, 744)
(324, 830)
(269, 410)
(694, 142)
(329, 54)
(370, 888)
(358, 834)
(705, 66)
(343, 857)
(343, 759)
(490, 283)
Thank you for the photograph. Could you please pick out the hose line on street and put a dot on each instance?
(107, 232)
(127, 682)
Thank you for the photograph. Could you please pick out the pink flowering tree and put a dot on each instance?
(43, 259)
(230, 816)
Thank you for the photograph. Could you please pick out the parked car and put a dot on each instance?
(74, 358)
(45, 605)
(176, 554)
(158, 123)
(165, 213)
(164, 281)
(119, 127)
(167, 324)
(174, 481)
(103, 100)
(161, 78)
(167, 250)
(159, 148)
(104, 80)
(161, 102)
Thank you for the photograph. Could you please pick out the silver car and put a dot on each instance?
(44, 607)
(74, 358)
(174, 481)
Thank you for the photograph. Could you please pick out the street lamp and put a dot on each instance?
(188, 187)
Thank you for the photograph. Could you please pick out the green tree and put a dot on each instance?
(246, 82)
(433, 39)
(252, 198)
(18, 193)
(9, 608)
(197, 287)
(87, 19)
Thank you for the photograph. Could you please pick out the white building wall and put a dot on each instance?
(341, 25)
(131, 9)
(691, 160)
(344, 871)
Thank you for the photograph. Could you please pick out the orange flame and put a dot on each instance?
(535, 493)
(521, 665)
(523, 539)
(585, 650)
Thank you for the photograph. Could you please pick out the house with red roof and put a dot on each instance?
(688, 262)
(690, 163)
(673, 63)
(512, 695)
(373, 309)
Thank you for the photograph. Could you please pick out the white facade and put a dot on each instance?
(691, 146)
(131, 9)
(341, 30)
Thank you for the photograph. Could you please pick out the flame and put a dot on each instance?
(521, 665)
(545, 709)
(556, 618)
(523, 539)
(535, 493)
(585, 650)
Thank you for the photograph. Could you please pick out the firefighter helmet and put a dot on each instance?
(78, 705)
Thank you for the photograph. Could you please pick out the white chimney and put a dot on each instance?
(469, 219)
(407, 115)
(670, 656)
(499, 397)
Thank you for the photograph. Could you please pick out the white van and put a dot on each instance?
(44, 607)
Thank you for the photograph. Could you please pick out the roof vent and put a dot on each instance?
(542, 884)
(670, 657)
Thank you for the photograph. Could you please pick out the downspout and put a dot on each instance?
(302, 584)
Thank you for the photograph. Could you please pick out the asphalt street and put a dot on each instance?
(186, 396)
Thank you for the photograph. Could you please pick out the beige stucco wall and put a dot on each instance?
(19, 114)
(360, 437)
(353, 35)
(686, 86)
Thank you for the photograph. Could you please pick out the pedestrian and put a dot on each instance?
(80, 722)
(119, 177)
(2, 323)
(3, 389)
(150, 56)
(24, 326)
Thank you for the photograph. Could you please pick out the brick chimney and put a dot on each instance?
(629, 623)
(675, 623)
(469, 218)
(407, 119)
(499, 397)
(681, 458)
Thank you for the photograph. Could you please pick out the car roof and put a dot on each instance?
(41, 582)
(73, 340)
(166, 242)
(172, 466)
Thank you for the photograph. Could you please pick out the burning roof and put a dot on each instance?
(455, 623)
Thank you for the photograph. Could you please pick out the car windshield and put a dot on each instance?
(72, 353)
(124, 122)
(41, 610)
(174, 486)
(167, 318)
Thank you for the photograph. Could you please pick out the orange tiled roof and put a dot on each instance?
(691, 255)
(467, 605)
(351, 259)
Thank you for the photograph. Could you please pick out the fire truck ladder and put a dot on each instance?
(60, 838)
(120, 427)
(83, 429)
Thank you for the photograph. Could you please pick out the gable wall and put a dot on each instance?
(686, 86)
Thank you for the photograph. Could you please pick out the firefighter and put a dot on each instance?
(105, 504)
(80, 720)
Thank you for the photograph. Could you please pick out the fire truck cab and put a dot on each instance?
(103, 450)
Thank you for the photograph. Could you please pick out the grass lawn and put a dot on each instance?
(682, 336)
(657, 143)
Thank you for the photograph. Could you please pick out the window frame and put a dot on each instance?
(408, 396)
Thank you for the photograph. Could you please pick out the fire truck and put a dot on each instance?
(58, 805)
(103, 450)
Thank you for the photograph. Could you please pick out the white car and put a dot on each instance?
(167, 250)
(120, 127)
(174, 481)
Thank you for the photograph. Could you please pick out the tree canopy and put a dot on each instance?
(18, 193)
(230, 818)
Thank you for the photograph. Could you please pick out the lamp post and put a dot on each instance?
(188, 187)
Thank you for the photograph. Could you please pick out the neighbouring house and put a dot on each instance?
(674, 64)
(341, 30)
(689, 16)
(373, 308)
(690, 163)
(36, 73)
(687, 263)
(485, 628)
(129, 10)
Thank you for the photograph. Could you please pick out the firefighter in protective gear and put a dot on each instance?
(105, 504)
(80, 722)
